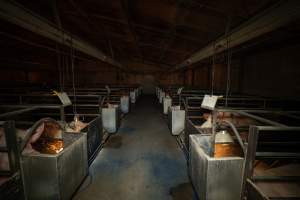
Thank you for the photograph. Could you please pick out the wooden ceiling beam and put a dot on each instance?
(267, 21)
(20, 16)
(128, 16)
(145, 27)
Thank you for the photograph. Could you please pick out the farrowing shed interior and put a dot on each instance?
(150, 99)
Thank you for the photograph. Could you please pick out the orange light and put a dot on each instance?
(227, 150)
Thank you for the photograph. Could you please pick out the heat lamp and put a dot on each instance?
(223, 137)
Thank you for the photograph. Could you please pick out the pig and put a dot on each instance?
(237, 120)
(34, 137)
(47, 138)
(76, 126)
(41, 139)
(208, 122)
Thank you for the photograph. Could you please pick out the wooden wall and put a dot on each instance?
(274, 73)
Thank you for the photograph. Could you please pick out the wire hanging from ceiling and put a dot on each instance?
(213, 70)
(59, 67)
(59, 51)
(228, 82)
(228, 59)
(73, 78)
(63, 61)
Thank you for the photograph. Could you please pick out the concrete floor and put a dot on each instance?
(142, 161)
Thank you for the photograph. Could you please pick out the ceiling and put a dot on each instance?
(160, 33)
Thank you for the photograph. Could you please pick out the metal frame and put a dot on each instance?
(254, 153)
(87, 98)
(12, 188)
(12, 148)
(250, 146)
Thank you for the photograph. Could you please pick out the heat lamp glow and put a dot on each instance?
(225, 146)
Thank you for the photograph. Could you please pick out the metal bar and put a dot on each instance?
(52, 106)
(265, 22)
(284, 198)
(5, 173)
(250, 155)
(260, 118)
(17, 112)
(254, 192)
(68, 114)
(18, 15)
(62, 114)
(276, 178)
(12, 144)
(253, 111)
(49, 95)
(272, 128)
(3, 149)
(235, 131)
(277, 155)
(213, 137)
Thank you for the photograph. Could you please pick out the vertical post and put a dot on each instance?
(12, 146)
(179, 100)
(250, 156)
(20, 99)
(62, 114)
(214, 126)
(187, 105)
(241, 75)
(100, 103)
(193, 77)
(63, 117)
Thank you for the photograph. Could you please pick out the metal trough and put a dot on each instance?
(125, 104)
(56, 176)
(158, 92)
(111, 118)
(167, 102)
(137, 94)
(132, 96)
(176, 120)
(214, 178)
(161, 96)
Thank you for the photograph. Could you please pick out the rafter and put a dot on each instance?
(83, 14)
(146, 27)
(179, 17)
(20, 16)
(267, 21)
(128, 16)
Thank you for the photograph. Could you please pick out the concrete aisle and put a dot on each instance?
(142, 161)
